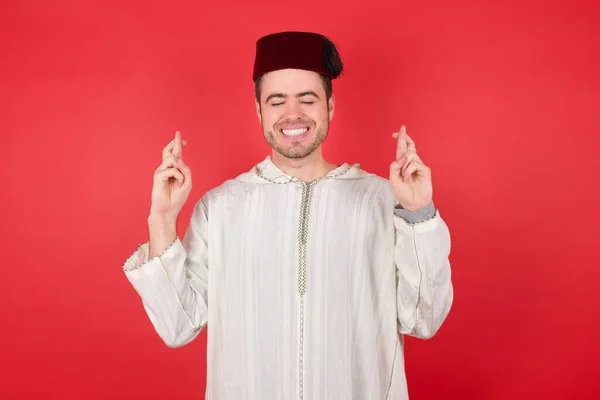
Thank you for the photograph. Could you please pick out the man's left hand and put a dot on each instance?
(410, 179)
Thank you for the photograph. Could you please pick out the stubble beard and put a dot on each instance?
(297, 151)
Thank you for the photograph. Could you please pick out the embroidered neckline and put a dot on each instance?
(284, 178)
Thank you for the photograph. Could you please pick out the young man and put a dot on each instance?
(305, 270)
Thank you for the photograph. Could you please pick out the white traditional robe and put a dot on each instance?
(305, 286)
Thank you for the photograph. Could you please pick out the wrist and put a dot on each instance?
(156, 219)
(162, 231)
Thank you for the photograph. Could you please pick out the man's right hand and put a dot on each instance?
(172, 184)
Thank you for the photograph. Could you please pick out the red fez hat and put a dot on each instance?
(298, 50)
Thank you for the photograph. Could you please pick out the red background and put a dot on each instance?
(502, 100)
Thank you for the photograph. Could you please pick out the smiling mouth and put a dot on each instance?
(294, 132)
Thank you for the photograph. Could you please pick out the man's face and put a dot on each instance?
(293, 112)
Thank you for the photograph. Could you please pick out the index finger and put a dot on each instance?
(401, 147)
(168, 150)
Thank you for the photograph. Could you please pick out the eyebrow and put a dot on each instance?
(283, 96)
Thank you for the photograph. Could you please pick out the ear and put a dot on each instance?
(331, 106)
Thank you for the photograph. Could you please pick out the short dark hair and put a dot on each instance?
(327, 85)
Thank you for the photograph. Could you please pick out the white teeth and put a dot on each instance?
(294, 132)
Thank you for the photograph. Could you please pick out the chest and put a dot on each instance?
(270, 228)
(268, 243)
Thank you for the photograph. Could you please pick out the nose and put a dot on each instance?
(293, 108)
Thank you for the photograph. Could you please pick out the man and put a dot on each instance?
(305, 270)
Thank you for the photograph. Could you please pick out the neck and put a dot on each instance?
(307, 169)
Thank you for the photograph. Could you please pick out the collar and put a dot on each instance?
(267, 170)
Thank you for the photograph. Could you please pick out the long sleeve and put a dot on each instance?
(424, 287)
(173, 286)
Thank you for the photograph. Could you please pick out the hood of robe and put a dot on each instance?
(266, 171)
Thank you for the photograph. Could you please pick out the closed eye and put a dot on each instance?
(303, 102)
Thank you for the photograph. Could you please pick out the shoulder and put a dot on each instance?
(236, 186)
(363, 184)
(362, 179)
(230, 187)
